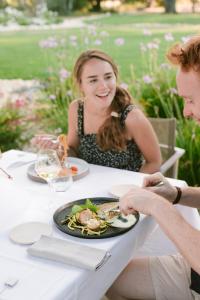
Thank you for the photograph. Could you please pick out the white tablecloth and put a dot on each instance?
(23, 200)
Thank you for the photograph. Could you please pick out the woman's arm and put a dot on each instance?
(72, 136)
(141, 131)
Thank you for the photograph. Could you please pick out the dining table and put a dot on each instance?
(25, 200)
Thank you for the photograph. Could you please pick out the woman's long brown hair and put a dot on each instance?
(111, 135)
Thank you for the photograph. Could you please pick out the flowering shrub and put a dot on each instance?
(15, 125)
(157, 93)
(43, 16)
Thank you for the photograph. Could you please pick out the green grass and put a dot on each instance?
(21, 56)
(152, 18)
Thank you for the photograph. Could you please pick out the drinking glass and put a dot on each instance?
(47, 165)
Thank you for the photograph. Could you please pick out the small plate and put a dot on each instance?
(29, 233)
(61, 213)
(120, 189)
(82, 166)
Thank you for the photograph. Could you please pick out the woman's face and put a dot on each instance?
(98, 83)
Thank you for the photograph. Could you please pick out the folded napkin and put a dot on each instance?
(69, 252)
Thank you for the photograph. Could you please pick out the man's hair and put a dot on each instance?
(187, 56)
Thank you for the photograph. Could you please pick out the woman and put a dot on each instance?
(105, 128)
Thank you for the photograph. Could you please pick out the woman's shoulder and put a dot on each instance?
(135, 116)
(75, 104)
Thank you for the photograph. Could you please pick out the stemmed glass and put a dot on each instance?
(47, 165)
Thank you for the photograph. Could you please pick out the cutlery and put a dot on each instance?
(117, 210)
(8, 175)
(9, 283)
(160, 183)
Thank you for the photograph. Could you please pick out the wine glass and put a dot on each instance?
(47, 165)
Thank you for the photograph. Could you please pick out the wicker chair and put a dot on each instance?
(165, 129)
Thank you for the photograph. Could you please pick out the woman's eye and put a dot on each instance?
(93, 80)
(108, 77)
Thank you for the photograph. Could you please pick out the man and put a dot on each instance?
(177, 276)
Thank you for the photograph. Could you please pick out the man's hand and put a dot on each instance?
(166, 190)
(139, 199)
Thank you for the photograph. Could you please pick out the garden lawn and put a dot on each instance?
(22, 57)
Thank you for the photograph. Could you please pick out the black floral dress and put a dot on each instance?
(129, 159)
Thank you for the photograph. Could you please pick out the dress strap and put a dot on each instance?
(125, 112)
(80, 118)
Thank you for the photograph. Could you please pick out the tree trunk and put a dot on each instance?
(170, 6)
(194, 2)
(97, 5)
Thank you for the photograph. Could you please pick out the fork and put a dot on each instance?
(6, 173)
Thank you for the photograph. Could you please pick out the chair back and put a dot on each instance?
(165, 129)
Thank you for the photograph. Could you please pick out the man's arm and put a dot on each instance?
(184, 236)
(190, 197)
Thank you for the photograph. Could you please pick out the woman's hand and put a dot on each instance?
(166, 190)
(45, 141)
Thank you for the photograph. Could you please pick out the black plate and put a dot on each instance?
(61, 213)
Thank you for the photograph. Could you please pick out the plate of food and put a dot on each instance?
(93, 218)
(79, 168)
(120, 189)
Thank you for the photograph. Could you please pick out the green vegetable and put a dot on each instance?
(88, 204)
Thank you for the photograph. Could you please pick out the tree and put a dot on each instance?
(96, 5)
(170, 6)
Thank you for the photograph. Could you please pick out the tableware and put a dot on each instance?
(120, 189)
(30, 232)
(47, 165)
(62, 183)
(65, 210)
(4, 171)
(82, 166)
(9, 283)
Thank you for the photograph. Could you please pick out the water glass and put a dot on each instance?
(62, 183)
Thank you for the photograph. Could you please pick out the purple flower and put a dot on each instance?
(97, 42)
(51, 42)
(147, 32)
(147, 79)
(169, 37)
(124, 85)
(165, 66)
(173, 91)
(119, 41)
(185, 39)
(152, 45)
(64, 74)
(52, 97)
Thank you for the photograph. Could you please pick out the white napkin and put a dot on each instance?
(69, 252)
